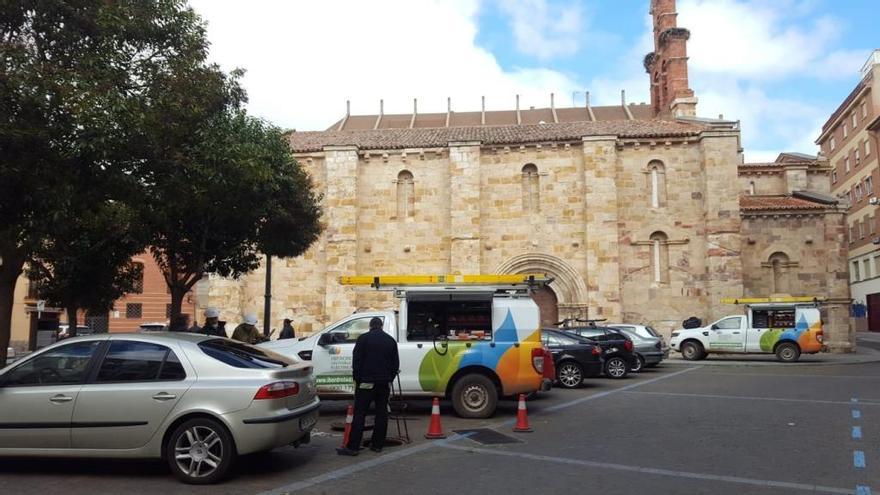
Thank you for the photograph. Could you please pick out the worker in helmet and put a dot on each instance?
(212, 323)
(247, 331)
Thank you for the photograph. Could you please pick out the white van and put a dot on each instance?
(468, 338)
(786, 327)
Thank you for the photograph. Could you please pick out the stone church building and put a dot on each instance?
(641, 213)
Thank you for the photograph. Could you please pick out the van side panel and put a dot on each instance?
(808, 326)
(514, 321)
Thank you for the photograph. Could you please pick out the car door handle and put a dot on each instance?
(163, 396)
(60, 399)
(736, 333)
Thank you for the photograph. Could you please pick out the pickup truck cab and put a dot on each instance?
(472, 343)
(786, 329)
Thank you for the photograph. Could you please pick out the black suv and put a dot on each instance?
(574, 357)
(617, 349)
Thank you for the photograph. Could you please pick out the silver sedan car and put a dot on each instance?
(196, 401)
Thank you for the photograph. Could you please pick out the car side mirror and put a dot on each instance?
(714, 327)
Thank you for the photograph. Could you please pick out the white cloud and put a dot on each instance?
(757, 40)
(304, 59)
(542, 29)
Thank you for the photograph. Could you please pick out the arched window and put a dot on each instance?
(752, 188)
(779, 262)
(659, 258)
(657, 183)
(406, 198)
(531, 188)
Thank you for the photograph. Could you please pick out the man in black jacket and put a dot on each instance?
(375, 364)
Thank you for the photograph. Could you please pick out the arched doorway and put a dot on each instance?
(546, 300)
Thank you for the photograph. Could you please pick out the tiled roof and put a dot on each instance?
(774, 203)
(492, 117)
(504, 134)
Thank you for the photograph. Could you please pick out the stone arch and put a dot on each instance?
(568, 285)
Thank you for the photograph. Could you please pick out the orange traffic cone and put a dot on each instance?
(434, 429)
(522, 417)
(349, 417)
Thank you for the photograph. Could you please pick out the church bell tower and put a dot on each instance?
(671, 95)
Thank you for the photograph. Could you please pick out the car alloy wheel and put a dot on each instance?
(615, 368)
(570, 375)
(638, 364)
(199, 451)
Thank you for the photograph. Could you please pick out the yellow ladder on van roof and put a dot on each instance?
(404, 280)
(765, 300)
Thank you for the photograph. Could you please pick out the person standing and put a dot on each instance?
(247, 332)
(212, 323)
(287, 330)
(375, 363)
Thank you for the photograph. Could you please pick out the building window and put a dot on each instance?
(846, 164)
(866, 265)
(752, 187)
(659, 258)
(531, 188)
(858, 192)
(869, 185)
(870, 220)
(845, 131)
(134, 310)
(780, 263)
(833, 143)
(852, 236)
(657, 183)
(858, 157)
(864, 110)
(406, 200)
(855, 120)
(855, 271)
(833, 175)
(867, 148)
(876, 264)
(861, 229)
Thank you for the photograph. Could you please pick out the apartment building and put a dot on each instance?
(850, 141)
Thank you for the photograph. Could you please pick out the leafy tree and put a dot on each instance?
(216, 204)
(86, 264)
(75, 76)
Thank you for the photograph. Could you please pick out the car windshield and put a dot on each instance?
(241, 355)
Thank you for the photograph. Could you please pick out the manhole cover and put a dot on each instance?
(486, 436)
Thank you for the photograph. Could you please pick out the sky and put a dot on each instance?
(781, 67)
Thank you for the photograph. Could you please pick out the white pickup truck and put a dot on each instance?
(786, 329)
(469, 343)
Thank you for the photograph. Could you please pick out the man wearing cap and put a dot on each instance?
(375, 363)
(247, 331)
(212, 323)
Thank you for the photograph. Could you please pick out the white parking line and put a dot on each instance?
(747, 397)
(406, 452)
(658, 471)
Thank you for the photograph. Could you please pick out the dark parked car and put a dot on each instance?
(617, 349)
(575, 358)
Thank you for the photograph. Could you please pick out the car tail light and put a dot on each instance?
(538, 359)
(277, 390)
(628, 345)
(596, 351)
